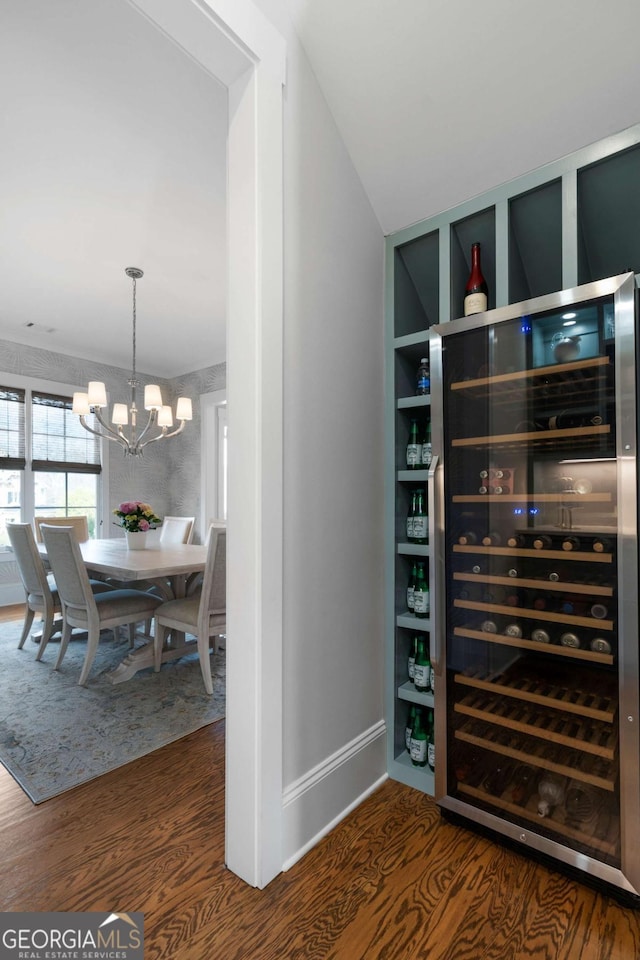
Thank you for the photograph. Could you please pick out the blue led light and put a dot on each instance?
(533, 511)
(518, 511)
(525, 325)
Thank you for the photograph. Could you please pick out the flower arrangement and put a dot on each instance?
(136, 517)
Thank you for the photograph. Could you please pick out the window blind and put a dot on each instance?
(12, 444)
(59, 442)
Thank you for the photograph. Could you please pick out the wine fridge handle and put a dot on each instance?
(436, 565)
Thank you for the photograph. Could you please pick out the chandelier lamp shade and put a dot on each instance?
(160, 415)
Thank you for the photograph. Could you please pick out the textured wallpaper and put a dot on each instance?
(168, 474)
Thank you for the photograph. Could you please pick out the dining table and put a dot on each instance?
(169, 568)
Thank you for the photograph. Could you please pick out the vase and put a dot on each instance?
(136, 539)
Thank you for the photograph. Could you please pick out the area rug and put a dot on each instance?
(55, 735)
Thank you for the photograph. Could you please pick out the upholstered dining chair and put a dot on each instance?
(41, 594)
(79, 524)
(80, 607)
(203, 615)
(176, 530)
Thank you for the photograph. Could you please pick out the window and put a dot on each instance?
(61, 476)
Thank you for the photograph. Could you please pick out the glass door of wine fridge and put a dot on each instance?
(534, 535)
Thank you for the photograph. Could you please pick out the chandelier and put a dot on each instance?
(160, 420)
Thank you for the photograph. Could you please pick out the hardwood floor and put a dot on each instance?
(392, 882)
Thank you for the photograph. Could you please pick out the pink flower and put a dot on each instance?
(143, 524)
(129, 506)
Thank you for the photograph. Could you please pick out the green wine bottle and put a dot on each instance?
(426, 445)
(411, 718)
(420, 519)
(422, 666)
(418, 742)
(421, 602)
(414, 448)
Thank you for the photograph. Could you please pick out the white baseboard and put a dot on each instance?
(315, 803)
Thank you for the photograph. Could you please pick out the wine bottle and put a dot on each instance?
(600, 645)
(570, 543)
(516, 540)
(512, 572)
(542, 542)
(523, 781)
(599, 611)
(411, 718)
(418, 742)
(569, 421)
(476, 290)
(426, 445)
(411, 514)
(483, 489)
(419, 519)
(467, 538)
(497, 779)
(421, 605)
(540, 636)
(431, 741)
(422, 667)
(602, 546)
(513, 630)
(411, 659)
(492, 539)
(414, 449)
(423, 378)
(551, 790)
(411, 585)
(500, 489)
(570, 640)
(500, 474)
(489, 626)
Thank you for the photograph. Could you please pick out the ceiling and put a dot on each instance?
(440, 100)
(114, 145)
(113, 155)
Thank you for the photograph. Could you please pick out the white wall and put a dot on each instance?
(333, 467)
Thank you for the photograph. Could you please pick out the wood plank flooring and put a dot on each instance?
(392, 882)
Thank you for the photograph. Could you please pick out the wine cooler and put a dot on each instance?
(534, 557)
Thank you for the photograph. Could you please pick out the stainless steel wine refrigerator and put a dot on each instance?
(534, 535)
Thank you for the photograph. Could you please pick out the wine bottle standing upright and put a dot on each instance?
(426, 445)
(420, 519)
(411, 586)
(410, 515)
(422, 666)
(476, 290)
(421, 605)
(414, 448)
(418, 742)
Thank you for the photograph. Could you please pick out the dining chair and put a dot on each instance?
(204, 615)
(80, 525)
(41, 593)
(176, 530)
(80, 606)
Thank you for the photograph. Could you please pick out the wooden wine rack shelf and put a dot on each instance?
(569, 437)
(522, 644)
(579, 376)
(533, 689)
(590, 736)
(521, 612)
(541, 754)
(603, 838)
(562, 586)
(570, 555)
